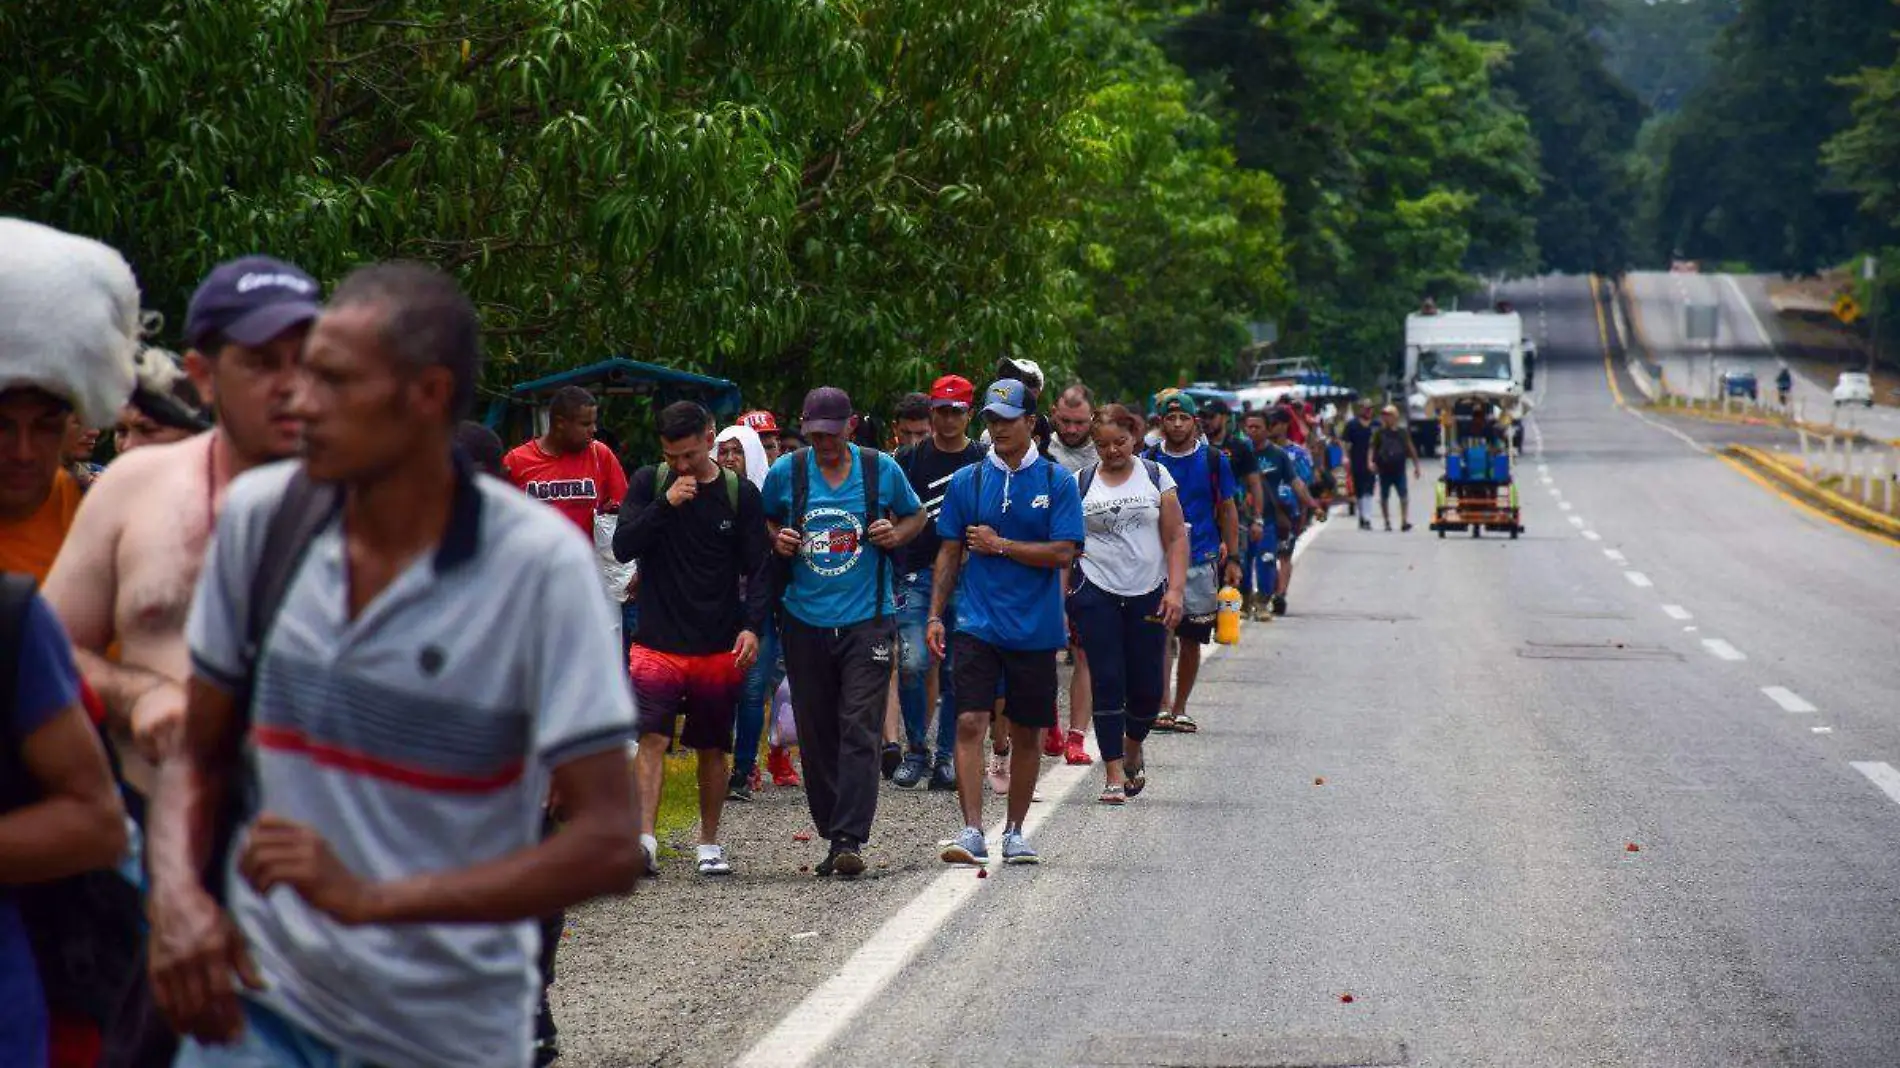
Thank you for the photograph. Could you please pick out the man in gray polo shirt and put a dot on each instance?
(440, 654)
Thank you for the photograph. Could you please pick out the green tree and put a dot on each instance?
(1743, 177)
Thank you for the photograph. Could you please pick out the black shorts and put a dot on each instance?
(1195, 633)
(1027, 680)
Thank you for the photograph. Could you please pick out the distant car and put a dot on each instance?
(1854, 387)
(1740, 384)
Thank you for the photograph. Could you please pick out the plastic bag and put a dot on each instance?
(613, 573)
(784, 727)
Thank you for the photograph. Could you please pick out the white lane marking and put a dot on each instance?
(1690, 630)
(1788, 699)
(805, 1032)
(1637, 578)
(1546, 480)
(1592, 535)
(1615, 556)
(1881, 774)
(1565, 505)
(1576, 520)
(1676, 611)
(1543, 469)
(1670, 430)
(1722, 650)
(1822, 730)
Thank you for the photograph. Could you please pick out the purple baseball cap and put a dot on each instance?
(250, 301)
(827, 411)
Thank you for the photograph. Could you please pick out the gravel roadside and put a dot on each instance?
(690, 971)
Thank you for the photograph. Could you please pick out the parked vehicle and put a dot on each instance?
(1741, 384)
(1854, 387)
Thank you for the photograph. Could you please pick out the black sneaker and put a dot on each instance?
(737, 789)
(845, 858)
(893, 756)
(943, 776)
(913, 771)
(1279, 604)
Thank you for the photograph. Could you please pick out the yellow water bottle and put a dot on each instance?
(1227, 616)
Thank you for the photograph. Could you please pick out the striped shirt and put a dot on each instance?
(414, 738)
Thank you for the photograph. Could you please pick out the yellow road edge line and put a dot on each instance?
(1765, 482)
(1603, 338)
(1834, 499)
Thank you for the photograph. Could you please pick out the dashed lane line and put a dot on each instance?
(1722, 650)
(1616, 557)
(1638, 579)
(1677, 612)
(1788, 699)
(1576, 521)
(1881, 774)
(1592, 535)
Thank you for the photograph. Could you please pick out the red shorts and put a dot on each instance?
(703, 688)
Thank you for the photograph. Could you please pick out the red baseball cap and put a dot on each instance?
(952, 390)
(762, 421)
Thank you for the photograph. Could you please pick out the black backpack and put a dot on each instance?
(869, 470)
(85, 930)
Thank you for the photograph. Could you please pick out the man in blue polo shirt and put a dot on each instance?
(1020, 517)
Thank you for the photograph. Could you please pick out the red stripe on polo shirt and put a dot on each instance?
(330, 756)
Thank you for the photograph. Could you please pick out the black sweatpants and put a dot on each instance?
(841, 677)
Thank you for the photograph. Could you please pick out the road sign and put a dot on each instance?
(1846, 308)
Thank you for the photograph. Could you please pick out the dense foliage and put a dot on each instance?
(861, 191)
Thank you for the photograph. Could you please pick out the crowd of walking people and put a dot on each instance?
(320, 715)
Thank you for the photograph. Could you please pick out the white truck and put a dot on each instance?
(1453, 356)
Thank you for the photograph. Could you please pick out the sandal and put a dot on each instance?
(1135, 778)
(1113, 794)
(1164, 723)
(1184, 724)
(716, 864)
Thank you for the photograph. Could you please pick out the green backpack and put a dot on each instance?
(663, 477)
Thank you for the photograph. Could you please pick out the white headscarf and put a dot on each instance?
(748, 440)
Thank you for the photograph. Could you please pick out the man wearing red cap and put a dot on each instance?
(764, 424)
(921, 686)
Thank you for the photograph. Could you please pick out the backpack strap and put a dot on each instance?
(870, 463)
(732, 492)
(1213, 473)
(801, 488)
(1154, 472)
(663, 479)
(1086, 477)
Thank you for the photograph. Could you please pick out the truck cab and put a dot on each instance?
(1461, 354)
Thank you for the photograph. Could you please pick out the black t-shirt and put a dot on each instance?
(1240, 457)
(1359, 445)
(929, 469)
(692, 560)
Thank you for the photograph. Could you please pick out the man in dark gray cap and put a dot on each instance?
(831, 509)
(127, 569)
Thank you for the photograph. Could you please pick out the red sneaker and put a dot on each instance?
(1076, 752)
(779, 760)
(1052, 743)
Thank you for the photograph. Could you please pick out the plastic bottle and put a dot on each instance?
(1227, 616)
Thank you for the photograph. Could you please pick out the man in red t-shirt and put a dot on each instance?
(566, 467)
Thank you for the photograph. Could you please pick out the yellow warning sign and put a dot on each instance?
(1846, 308)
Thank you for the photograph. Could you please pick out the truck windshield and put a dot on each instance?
(1489, 364)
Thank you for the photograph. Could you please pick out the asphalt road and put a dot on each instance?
(1506, 795)
(1746, 337)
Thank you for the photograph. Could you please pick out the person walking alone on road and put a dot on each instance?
(1019, 516)
(1392, 449)
(698, 531)
(1133, 574)
(830, 506)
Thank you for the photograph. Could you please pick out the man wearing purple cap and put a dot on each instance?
(124, 576)
(830, 507)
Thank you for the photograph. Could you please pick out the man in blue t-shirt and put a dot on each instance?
(53, 757)
(1205, 483)
(1020, 517)
(838, 624)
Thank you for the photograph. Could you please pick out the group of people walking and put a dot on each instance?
(313, 720)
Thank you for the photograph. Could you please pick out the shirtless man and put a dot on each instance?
(128, 567)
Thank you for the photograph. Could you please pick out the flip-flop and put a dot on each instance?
(1134, 778)
(1184, 724)
(1114, 795)
(715, 865)
(1164, 724)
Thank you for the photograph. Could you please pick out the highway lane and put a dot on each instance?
(1746, 338)
(1422, 789)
